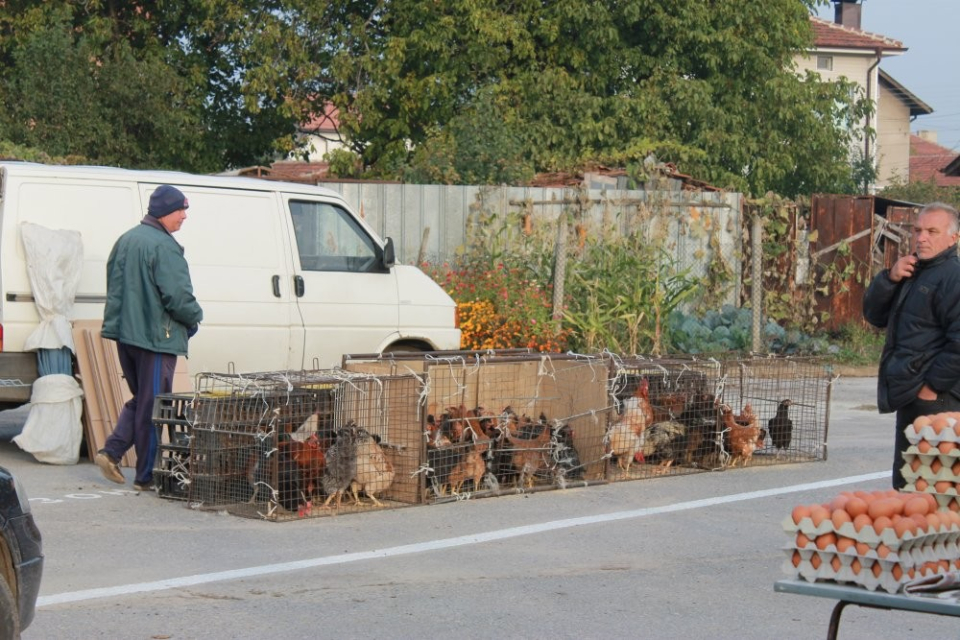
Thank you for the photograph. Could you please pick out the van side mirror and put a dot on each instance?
(389, 254)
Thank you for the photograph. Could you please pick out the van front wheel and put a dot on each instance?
(9, 612)
(407, 347)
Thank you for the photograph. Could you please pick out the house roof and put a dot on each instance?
(289, 171)
(929, 161)
(830, 35)
(917, 106)
(326, 122)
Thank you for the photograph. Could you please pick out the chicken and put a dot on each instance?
(700, 419)
(742, 433)
(272, 472)
(566, 460)
(637, 409)
(781, 427)
(374, 473)
(663, 443)
(310, 459)
(442, 456)
(622, 441)
(341, 463)
(529, 455)
(668, 406)
(472, 464)
(257, 469)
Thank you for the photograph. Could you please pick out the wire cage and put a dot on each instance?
(287, 445)
(710, 414)
(505, 421)
(662, 417)
(790, 400)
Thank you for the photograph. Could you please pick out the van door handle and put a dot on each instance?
(276, 286)
(298, 285)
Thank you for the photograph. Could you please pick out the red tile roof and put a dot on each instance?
(289, 171)
(328, 121)
(831, 35)
(928, 161)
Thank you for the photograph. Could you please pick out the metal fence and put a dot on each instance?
(434, 222)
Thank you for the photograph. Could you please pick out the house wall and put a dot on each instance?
(893, 139)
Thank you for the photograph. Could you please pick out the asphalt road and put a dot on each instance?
(689, 557)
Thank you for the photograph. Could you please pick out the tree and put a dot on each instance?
(708, 85)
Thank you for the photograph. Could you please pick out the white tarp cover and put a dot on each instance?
(54, 263)
(53, 430)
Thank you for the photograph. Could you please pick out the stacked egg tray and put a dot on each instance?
(835, 549)
(932, 461)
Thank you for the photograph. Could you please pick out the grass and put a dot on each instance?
(858, 345)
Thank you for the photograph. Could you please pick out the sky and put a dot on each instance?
(930, 68)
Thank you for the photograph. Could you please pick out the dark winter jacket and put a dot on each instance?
(150, 302)
(922, 317)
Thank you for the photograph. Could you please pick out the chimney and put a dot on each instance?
(847, 13)
(928, 135)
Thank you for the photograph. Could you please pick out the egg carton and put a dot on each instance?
(926, 471)
(870, 537)
(927, 432)
(948, 501)
(823, 566)
(915, 556)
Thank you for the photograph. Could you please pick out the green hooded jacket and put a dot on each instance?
(150, 301)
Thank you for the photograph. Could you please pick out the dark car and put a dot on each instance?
(21, 558)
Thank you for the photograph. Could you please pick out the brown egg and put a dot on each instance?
(924, 446)
(840, 517)
(815, 561)
(921, 521)
(956, 468)
(938, 423)
(861, 521)
(844, 543)
(855, 566)
(856, 506)
(933, 522)
(802, 540)
(862, 548)
(936, 465)
(904, 526)
(818, 514)
(795, 558)
(915, 464)
(800, 512)
(954, 505)
(921, 484)
(943, 565)
(875, 568)
(916, 504)
(838, 503)
(942, 486)
(885, 507)
(897, 572)
(946, 446)
(921, 422)
(825, 540)
(835, 563)
(956, 428)
(881, 523)
(883, 550)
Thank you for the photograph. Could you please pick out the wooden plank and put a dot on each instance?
(104, 389)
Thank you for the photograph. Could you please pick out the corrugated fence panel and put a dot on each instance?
(683, 222)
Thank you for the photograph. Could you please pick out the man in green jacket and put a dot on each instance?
(151, 313)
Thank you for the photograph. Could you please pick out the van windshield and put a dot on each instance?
(329, 239)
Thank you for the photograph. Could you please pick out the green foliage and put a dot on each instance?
(731, 329)
(619, 294)
(922, 193)
(578, 81)
(343, 163)
(859, 345)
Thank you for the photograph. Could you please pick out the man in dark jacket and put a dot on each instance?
(918, 302)
(151, 313)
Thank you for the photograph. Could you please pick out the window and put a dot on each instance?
(329, 239)
(825, 63)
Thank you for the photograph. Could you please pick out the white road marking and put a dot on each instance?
(436, 545)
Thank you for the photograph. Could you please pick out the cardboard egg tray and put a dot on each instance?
(903, 556)
(927, 433)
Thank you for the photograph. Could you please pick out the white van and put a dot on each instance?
(287, 275)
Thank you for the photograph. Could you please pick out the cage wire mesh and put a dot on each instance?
(662, 417)
(505, 421)
(286, 445)
(790, 399)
